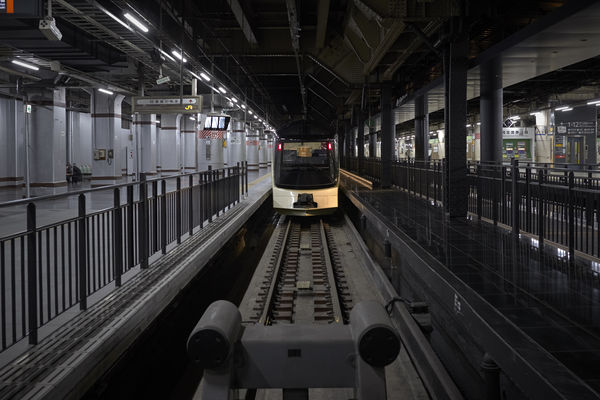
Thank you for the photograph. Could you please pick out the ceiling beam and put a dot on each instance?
(237, 10)
(391, 35)
(322, 17)
(295, 36)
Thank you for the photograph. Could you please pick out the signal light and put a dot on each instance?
(329, 146)
(279, 146)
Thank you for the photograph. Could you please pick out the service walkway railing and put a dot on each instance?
(47, 269)
(561, 205)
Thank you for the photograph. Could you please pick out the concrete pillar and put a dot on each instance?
(47, 132)
(170, 144)
(262, 153)
(12, 132)
(146, 131)
(421, 128)
(189, 137)
(387, 136)
(237, 142)
(252, 142)
(490, 107)
(214, 146)
(226, 143)
(106, 138)
(269, 148)
(361, 140)
(455, 64)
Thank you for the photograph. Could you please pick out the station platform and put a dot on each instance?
(519, 303)
(77, 348)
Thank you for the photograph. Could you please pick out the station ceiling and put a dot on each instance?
(285, 58)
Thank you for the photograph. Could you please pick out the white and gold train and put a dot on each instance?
(305, 172)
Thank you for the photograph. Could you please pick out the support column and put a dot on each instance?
(456, 188)
(490, 107)
(170, 144)
(11, 132)
(421, 128)
(188, 143)
(262, 154)
(387, 136)
(269, 148)
(47, 133)
(252, 141)
(372, 142)
(106, 138)
(237, 143)
(361, 141)
(146, 130)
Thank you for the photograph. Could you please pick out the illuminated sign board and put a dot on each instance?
(167, 104)
(21, 8)
(216, 122)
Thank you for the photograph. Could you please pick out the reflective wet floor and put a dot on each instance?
(554, 300)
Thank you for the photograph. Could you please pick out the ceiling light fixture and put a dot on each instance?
(222, 90)
(105, 91)
(178, 55)
(234, 99)
(119, 20)
(24, 64)
(164, 53)
(244, 106)
(593, 102)
(192, 118)
(567, 109)
(250, 111)
(561, 108)
(194, 75)
(137, 23)
(205, 77)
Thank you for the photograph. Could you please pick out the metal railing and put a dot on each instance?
(551, 203)
(558, 204)
(48, 269)
(420, 178)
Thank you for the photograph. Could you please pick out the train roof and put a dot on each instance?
(305, 130)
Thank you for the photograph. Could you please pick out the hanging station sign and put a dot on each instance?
(167, 105)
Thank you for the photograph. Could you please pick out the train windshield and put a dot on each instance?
(305, 165)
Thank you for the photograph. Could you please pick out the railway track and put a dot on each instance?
(304, 280)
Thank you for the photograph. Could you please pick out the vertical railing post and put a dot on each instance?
(163, 216)
(178, 210)
(479, 194)
(528, 199)
(571, 205)
(191, 205)
(515, 198)
(143, 222)
(154, 216)
(82, 249)
(130, 246)
(218, 187)
(239, 181)
(32, 278)
(209, 197)
(246, 175)
(540, 208)
(118, 236)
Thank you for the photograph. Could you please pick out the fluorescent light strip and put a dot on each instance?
(234, 99)
(137, 23)
(24, 64)
(194, 75)
(561, 108)
(205, 77)
(222, 90)
(567, 109)
(532, 113)
(593, 102)
(105, 91)
(244, 106)
(514, 117)
(164, 53)
(178, 55)
(192, 118)
(119, 20)
(250, 111)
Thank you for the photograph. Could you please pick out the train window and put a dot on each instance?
(305, 165)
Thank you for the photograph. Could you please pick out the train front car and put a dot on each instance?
(305, 173)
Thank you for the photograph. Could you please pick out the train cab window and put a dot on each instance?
(306, 165)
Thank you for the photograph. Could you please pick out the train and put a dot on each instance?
(306, 170)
